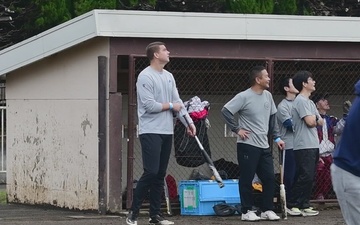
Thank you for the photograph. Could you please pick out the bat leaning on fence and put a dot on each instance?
(282, 186)
(208, 159)
(167, 199)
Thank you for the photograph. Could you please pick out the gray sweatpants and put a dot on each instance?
(347, 189)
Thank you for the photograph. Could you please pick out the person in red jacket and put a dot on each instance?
(326, 134)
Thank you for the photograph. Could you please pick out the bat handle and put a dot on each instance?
(186, 120)
(199, 143)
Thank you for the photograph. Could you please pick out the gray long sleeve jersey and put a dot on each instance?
(153, 89)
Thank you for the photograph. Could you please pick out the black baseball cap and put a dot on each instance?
(319, 96)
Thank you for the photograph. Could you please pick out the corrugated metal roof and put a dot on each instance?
(152, 24)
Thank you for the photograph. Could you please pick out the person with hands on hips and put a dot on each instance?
(157, 102)
(256, 109)
(244, 134)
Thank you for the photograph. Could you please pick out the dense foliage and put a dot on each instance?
(31, 17)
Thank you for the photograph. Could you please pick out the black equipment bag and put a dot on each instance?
(187, 151)
(223, 209)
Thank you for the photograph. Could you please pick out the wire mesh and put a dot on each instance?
(218, 80)
(337, 78)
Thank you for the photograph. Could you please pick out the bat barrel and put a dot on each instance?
(208, 159)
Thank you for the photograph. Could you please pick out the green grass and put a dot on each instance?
(2, 197)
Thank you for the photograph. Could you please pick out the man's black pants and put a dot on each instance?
(253, 160)
(305, 161)
(156, 149)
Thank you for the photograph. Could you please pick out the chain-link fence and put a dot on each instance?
(218, 80)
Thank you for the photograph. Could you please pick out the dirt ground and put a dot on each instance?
(12, 214)
(329, 215)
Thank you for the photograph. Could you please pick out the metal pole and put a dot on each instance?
(2, 138)
(131, 132)
(102, 71)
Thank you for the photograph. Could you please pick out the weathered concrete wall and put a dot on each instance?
(52, 129)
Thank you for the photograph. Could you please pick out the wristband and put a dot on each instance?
(170, 106)
(277, 140)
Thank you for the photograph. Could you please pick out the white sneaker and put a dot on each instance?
(159, 220)
(269, 215)
(130, 221)
(131, 218)
(309, 212)
(293, 211)
(249, 216)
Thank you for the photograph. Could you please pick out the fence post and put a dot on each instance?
(131, 131)
(102, 69)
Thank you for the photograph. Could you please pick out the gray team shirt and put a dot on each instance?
(153, 89)
(254, 114)
(284, 112)
(305, 137)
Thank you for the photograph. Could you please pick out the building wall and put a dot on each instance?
(53, 134)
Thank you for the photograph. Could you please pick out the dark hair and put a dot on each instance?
(284, 83)
(319, 96)
(300, 78)
(254, 73)
(152, 48)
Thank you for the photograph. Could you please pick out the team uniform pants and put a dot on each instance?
(289, 171)
(305, 161)
(253, 160)
(156, 149)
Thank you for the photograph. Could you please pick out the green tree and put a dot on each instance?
(52, 13)
(265, 6)
(242, 6)
(15, 30)
(141, 4)
(83, 6)
(286, 7)
(34, 16)
(251, 6)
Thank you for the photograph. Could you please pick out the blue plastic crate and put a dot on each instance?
(199, 197)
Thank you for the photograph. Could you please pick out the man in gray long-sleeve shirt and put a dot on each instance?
(157, 100)
(256, 109)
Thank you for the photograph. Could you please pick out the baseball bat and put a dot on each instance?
(208, 159)
(167, 199)
(282, 187)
